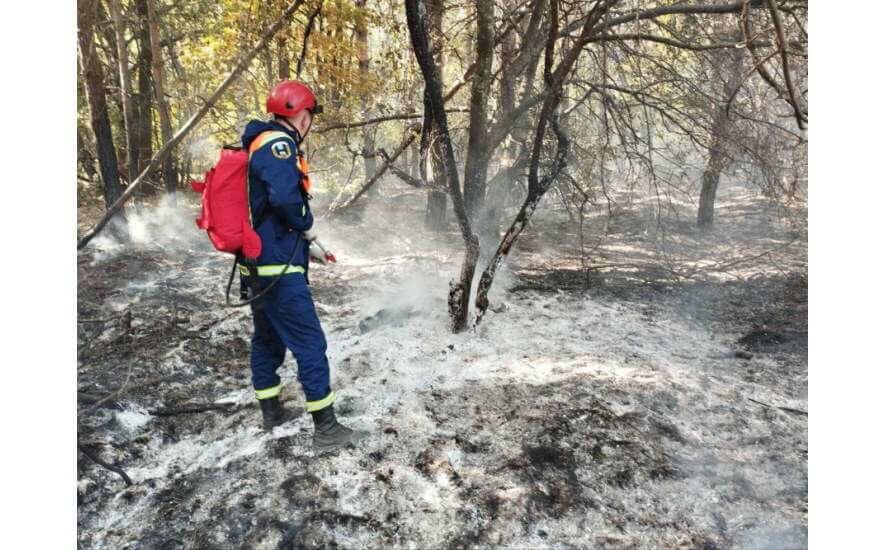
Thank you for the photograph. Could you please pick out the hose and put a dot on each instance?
(263, 292)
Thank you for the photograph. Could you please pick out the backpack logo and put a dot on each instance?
(281, 150)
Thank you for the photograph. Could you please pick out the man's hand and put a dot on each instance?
(320, 254)
(310, 235)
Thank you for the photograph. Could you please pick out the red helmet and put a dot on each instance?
(289, 97)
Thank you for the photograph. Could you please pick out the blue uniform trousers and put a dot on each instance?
(287, 319)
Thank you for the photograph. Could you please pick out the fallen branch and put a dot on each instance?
(192, 408)
(722, 267)
(210, 324)
(99, 400)
(116, 469)
(407, 179)
(167, 147)
(105, 320)
(411, 133)
(788, 409)
(675, 43)
(385, 118)
(112, 395)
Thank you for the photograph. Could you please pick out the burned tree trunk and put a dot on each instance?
(710, 180)
(283, 70)
(368, 149)
(515, 60)
(268, 62)
(718, 159)
(169, 177)
(361, 35)
(93, 77)
(435, 211)
(477, 159)
(143, 108)
(433, 173)
(85, 160)
(433, 170)
(459, 291)
(125, 90)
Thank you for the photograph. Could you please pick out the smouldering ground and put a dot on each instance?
(616, 407)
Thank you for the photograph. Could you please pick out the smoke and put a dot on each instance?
(204, 150)
(168, 225)
(408, 294)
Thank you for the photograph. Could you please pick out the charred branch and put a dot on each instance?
(411, 133)
(107, 465)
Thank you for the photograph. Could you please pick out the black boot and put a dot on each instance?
(329, 435)
(273, 413)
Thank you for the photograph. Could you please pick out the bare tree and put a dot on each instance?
(93, 76)
(144, 105)
(477, 157)
(430, 152)
(169, 177)
(459, 291)
(554, 77)
(125, 89)
(728, 66)
(361, 34)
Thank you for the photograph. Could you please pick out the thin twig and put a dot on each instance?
(116, 393)
(191, 408)
(788, 81)
(788, 409)
(384, 118)
(411, 133)
(105, 320)
(116, 469)
(112, 395)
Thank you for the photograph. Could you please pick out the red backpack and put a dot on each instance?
(226, 215)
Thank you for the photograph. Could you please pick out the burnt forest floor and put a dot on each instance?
(651, 393)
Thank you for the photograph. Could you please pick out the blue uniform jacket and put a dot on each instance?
(276, 198)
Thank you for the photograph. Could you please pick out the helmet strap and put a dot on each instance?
(285, 121)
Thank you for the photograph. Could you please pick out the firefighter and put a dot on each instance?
(284, 317)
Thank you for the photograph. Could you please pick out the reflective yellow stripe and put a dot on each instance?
(312, 406)
(267, 393)
(272, 270)
(264, 138)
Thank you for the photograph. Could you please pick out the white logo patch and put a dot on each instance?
(281, 150)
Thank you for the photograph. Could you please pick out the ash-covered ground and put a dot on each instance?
(652, 395)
